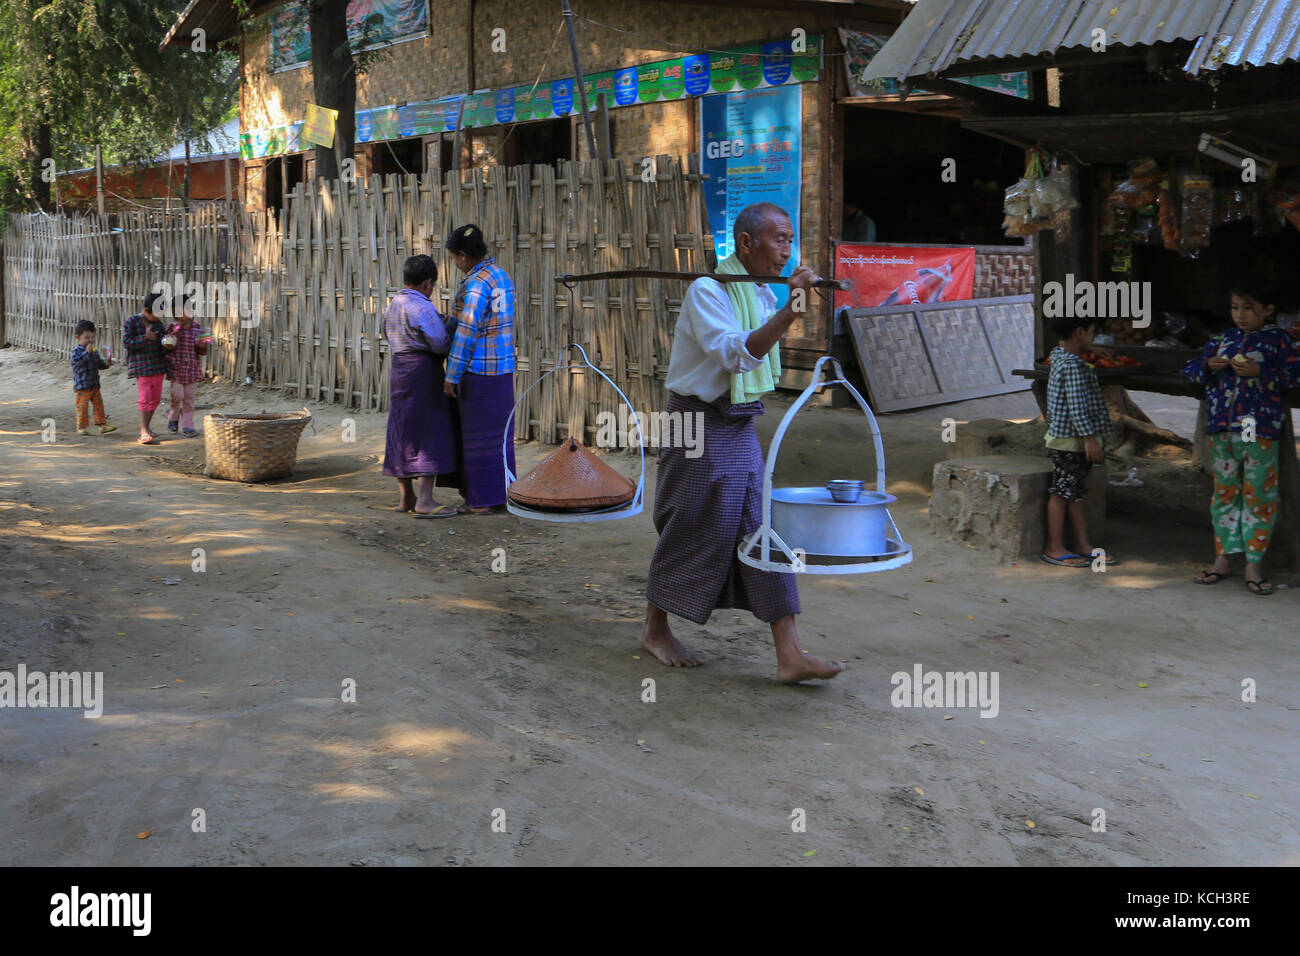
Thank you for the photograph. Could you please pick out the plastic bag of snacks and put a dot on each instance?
(1167, 215)
(1140, 188)
(1033, 201)
(1198, 209)
(1053, 194)
(1232, 204)
(1146, 228)
(1285, 202)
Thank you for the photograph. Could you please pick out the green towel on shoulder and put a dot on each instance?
(749, 386)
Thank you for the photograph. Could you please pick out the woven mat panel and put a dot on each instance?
(918, 355)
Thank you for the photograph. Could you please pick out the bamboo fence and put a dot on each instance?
(327, 268)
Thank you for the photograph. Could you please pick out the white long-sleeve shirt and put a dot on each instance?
(709, 344)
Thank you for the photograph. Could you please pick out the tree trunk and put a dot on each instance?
(42, 148)
(334, 80)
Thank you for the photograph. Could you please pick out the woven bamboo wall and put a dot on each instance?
(61, 269)
(328, 271)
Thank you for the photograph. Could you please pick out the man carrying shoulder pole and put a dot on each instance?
(724, 357)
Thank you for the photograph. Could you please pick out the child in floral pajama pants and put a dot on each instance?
(1246, 371)
(1244, 506)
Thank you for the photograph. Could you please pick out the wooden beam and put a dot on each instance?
(1067, 59)
(996, 103)
(887, 14)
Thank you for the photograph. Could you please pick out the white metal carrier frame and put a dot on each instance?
(765, 541)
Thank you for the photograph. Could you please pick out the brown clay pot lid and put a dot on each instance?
(571, 478)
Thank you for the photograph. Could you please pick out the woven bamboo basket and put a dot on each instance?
(252, 447)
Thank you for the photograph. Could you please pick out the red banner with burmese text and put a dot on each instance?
(903, 275)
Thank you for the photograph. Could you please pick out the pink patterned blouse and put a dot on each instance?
(184, 363)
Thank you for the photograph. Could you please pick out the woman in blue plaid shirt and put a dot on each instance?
(480, 369)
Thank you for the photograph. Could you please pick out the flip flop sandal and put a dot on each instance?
(147, 441)
(190, 433)
(446, 511)
(172, 427)
(1260, 588)
(1064, 561)
(1217, 575)
(470, 511)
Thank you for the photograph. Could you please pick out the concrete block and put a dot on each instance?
(998, 503)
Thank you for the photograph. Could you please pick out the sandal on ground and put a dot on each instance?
(1260, 588)
(1070, 560)
(173, 426)
(105, 429)
(467, 510)
(190, 433)
(444, 511)
(151, 440)
(1207, 574)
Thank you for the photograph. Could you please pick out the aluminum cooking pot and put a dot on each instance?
(811, 520)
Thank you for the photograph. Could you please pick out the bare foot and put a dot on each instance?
(406, 505)
(806, 667)
(661, 643)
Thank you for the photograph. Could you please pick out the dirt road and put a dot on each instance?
(521, 692)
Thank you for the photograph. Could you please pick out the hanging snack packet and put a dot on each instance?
(1171, 232)
(1141, 186)
(1198, 209)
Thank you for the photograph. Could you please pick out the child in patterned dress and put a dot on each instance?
(1246, 371)
(185, 371)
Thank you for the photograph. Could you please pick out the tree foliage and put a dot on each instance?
(75, 74)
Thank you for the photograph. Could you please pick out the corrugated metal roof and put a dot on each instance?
(940, 34)
(1259, 33)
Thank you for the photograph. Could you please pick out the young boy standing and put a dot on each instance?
(1077, 422)
(146, 362)
(86, 363)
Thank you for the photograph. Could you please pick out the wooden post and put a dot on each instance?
(582, 89)
(99, 181)
(167, 203)
(225, 168)
(187, 174)
(1286, 535)
(605, 141)
(456, 146)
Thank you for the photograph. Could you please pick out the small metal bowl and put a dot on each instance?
(845, 491)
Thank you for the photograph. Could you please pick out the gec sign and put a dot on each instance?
(724, 148)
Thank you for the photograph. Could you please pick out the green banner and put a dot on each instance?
(745, 68)
(672, 82)
(724, 69)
